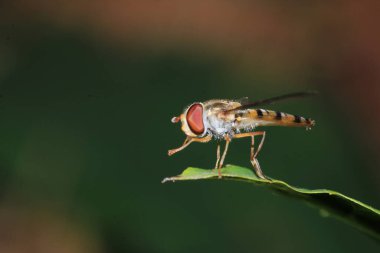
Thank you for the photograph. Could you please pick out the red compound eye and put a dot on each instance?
(194, 119)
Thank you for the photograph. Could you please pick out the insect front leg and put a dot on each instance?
(187, 142)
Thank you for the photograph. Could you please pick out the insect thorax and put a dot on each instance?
(218, 123)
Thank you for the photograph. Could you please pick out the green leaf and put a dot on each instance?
(331, 203)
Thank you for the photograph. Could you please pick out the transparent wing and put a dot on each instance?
(243, 100)
(272, 100)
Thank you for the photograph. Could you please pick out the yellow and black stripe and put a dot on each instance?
(268, 117)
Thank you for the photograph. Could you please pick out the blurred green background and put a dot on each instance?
(87, 93)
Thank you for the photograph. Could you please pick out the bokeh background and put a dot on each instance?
(88, 89)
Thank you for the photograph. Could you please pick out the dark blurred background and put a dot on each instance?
(88, 89)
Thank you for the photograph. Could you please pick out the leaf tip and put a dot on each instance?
(167, 179)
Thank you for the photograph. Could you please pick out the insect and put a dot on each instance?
(223, 119)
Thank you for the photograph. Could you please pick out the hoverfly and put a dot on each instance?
(232, 119)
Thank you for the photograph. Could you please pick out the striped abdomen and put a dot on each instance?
(262, 117)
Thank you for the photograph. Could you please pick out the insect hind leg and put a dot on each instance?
(253, 154)
(257, 168)
(254, 161)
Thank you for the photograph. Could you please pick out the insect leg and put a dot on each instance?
(187, 142)
(203, 140)
(254, 161)
(228, 140)
(253, 155)
(252, 135)
(217, 156)
(261, 142)
(258, 171)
